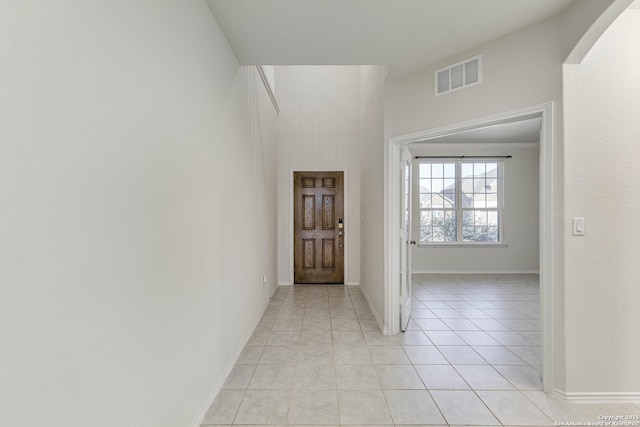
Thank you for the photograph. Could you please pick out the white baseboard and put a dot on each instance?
(225, 373)
(475, 272)
(372, 308)
(274, 289)
(593, 397)
(347, 284)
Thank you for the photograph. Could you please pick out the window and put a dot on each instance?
(461, 201)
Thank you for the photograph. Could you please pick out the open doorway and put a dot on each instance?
(446, 135)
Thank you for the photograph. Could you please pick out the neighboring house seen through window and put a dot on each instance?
(461, 201)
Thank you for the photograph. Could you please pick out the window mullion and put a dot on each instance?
(459, 202)
(501, 192)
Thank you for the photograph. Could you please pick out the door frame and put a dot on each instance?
(392, 220)
(292, 218)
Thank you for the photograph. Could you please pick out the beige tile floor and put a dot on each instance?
(471, 356)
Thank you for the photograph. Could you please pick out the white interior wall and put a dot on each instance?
(318, 129)
(602, 180)
(520, 217)
(136, 157)
(520, 70)
(372, 187)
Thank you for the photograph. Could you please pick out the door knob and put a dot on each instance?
(413, 242)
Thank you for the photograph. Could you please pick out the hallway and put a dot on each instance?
(471, 357)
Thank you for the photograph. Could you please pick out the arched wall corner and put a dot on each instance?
(595, 31)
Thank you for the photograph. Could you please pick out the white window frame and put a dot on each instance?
(459, 210)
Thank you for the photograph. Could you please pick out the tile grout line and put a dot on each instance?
(334, 322)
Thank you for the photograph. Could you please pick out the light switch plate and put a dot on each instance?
(578, 226)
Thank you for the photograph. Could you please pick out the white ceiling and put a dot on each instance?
(406, 34)
(522, 131)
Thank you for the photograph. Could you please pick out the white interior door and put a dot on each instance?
(405, 241)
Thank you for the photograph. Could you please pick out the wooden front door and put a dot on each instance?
(319, 227)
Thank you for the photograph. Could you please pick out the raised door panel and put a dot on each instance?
(328, 212)
(328, 253)
(308, 254)
(328, 182)
(308, 182)
(309, 212)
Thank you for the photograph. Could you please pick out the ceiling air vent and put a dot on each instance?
(460, 75)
